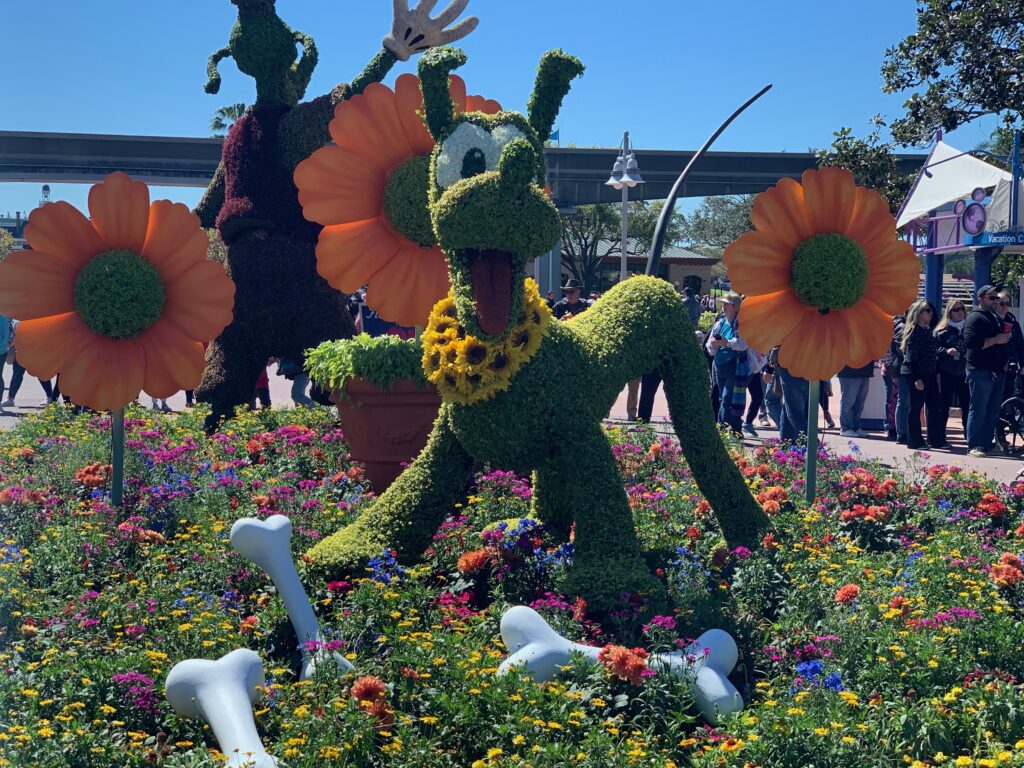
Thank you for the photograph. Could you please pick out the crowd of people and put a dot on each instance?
(966, 356)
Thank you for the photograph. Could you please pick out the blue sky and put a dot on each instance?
(666, 70)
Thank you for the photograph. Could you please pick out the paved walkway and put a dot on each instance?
(999, 467)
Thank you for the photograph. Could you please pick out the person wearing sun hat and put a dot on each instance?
(730, 367)
(572, 304)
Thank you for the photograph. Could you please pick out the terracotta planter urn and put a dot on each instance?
(385, 429)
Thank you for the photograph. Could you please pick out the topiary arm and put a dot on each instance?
(434, 69)
(209, 207)
(408, 513)
(213, 81)
(556, 70)
(303, 130)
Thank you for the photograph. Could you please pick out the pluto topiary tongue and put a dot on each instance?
(491, 273)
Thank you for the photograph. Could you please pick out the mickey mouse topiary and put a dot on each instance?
(282, 305)
(515, 384)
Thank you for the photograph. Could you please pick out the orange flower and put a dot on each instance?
(847, 593)
(370, 192)
(625, 664)
(93, 475)
(473, 561)
(117, 304)
(368, 688)
(823, 273)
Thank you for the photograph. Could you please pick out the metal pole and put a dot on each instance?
(117, 456)
(811, 481)
(623, 267)
(1015, 188)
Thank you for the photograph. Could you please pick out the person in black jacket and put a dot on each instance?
(952, 365)
(987, 355)
(919, 369)
(897, 398)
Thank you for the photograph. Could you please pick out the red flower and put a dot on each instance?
(847, 593)
(368, 688)
(473, 561)
(990, 504)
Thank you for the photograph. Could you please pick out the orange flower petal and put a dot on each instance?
(173, 361)
(781, 211)
(338, 185)
(815, 349)
(45, 344)
(119, 208)
(199, 303)
(872, 224)
(893, 274)
(61, 229)
(830, 195)
(480, 104)
(457, 89)
(756, 265)
(765, 320)
(369, 124)
(868, 332)
(35, 284)
(175, 240)
(409, 286)
(104, 374)
(349, 255)
(409, 102)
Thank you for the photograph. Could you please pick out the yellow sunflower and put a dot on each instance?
(823, 273)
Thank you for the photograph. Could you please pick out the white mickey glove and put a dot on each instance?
(413, 31)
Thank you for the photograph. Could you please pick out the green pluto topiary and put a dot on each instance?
(490, 224)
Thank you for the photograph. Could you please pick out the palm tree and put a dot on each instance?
(224, 117)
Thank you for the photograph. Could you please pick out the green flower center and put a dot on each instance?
(829, 272)
(119, 294)
(405, 200)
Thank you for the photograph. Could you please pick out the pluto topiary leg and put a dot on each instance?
(233, 364)
(408, 513)
(687, 390)
(607, 561)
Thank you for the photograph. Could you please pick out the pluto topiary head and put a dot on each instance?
(488, 207)
(263, 47)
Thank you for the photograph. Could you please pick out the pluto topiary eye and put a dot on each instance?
(469, 150)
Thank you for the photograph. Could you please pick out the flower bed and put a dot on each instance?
(879, 628)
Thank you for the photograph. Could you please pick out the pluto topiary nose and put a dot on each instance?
(517, 163)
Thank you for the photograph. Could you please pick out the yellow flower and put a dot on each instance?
(963, 761)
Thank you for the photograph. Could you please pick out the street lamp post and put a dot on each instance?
(625, 175)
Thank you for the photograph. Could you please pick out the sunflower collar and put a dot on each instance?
(466, 369)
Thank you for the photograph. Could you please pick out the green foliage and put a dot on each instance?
(591, 234)
(6, 243)
(225, 117)
(556, 71)
(966, 54)
(871, 161)
(716, 222)
(405, 200)
(829, 272)
(707, 319)
(119, 294)
(381, 360)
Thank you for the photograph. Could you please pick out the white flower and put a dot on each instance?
(463, 140)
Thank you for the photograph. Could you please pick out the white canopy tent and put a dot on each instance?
(948, 175)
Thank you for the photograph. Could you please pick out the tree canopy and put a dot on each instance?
(6, 243)
(870, 160)
(967, 56)
(716, 222)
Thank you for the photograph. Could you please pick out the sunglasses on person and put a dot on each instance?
(1004, 303)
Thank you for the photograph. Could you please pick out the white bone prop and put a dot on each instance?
(222, 693)
(268, 544)
(535, 646)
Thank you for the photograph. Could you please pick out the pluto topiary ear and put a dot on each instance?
(213, 83)
(435, 66)
(556, 70)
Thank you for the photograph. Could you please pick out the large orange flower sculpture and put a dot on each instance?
(117, 304)
(370, 192)
(823, 273)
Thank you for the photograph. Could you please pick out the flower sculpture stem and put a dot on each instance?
(117, 456)
(811, 480)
